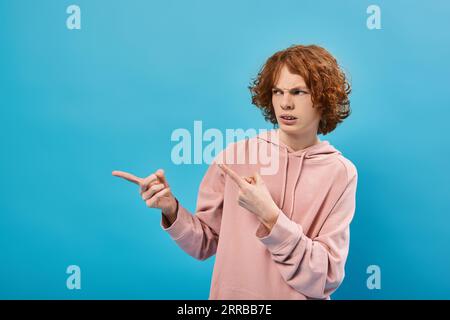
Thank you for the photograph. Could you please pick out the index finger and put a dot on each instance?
(240, 182)
(128, 176)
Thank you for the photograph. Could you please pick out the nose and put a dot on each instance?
(286, 103)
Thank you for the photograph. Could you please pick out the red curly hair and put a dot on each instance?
(324, 78)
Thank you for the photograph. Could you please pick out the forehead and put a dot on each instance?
(286, 79)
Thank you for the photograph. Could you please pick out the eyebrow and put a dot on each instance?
(297, 87)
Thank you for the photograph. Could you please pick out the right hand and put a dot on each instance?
(154, 190)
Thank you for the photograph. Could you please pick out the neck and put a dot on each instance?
(298, 141)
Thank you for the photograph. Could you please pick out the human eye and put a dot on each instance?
(276, 91)
(299, 92)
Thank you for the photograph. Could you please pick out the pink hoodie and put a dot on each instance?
(304, 255)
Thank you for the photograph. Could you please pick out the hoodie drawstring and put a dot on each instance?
(295, 185)
(283, 188)
(284, 184)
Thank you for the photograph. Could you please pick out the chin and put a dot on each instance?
(290, 129)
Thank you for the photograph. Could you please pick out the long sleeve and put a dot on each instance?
(198, 234)
(313, 267)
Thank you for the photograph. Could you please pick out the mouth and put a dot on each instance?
(287, 117)
(288, 120)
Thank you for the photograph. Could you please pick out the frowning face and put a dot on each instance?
(293, 106)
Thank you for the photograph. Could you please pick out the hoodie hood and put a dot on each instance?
(321, 150)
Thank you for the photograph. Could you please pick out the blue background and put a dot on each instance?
(77, 104)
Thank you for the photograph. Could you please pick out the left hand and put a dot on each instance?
(254, 196)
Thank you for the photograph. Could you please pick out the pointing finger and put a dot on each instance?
(233, 175)
(128, 176)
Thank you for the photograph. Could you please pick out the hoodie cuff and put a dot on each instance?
(284, 232)
(179, 227)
